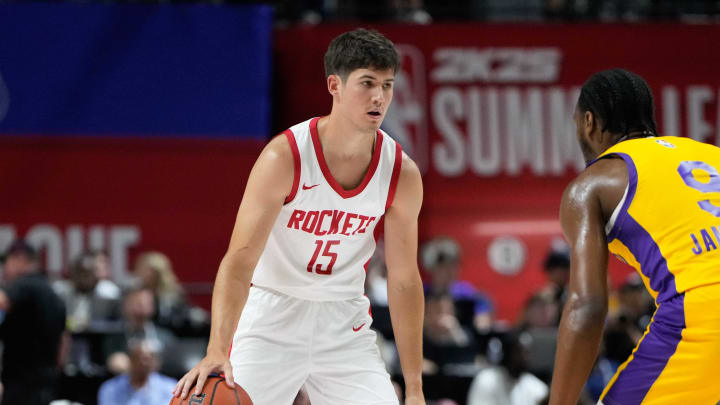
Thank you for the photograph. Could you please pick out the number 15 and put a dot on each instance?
(327, 253)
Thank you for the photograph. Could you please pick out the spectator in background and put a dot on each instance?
(540, 312)
(625, 326)
(441, 257)
(445, 340)
(93, 309)
(511, 10)
(154, 271)
(624, 329)
(377, 292)
(635, 310)
(557, 270)
(31, 331)
(138, 312)
(410, 11)
(543, 309)
(103, 271)
(539, 321)
(141, 384)
(509, 383)
(91, 301)
(309, 12)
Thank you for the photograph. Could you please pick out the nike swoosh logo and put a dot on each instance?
(358, 328)
(308, 188)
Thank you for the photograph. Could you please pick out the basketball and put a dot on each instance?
(216, 392)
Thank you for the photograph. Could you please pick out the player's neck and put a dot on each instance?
(340, 137)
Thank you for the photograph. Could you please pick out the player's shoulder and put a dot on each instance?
(602, 180)
(409, 188)
(409, 173)
(278, 150)
(607, 167)
(408, 166)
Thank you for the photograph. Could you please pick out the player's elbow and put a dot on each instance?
(405, 281)
(585, 313)
(238, 263)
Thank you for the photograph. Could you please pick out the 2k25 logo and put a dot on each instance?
(406, 120)
(496, 65)
(197, 399)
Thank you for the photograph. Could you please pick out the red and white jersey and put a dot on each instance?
(325, 235)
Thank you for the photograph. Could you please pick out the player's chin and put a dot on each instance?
(374, 121)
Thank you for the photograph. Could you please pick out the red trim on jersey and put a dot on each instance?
(395, 176)
(377, 232)
(326, 170)
(296, 160)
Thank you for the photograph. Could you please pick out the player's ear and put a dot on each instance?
(588, 123)
(592, 128)
(333, 83)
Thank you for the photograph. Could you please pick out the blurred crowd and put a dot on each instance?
(91, 340)
(470, 357)
(427, 11)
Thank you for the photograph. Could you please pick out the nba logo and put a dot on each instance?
(665, 143)
(406, 119)
(197, 399)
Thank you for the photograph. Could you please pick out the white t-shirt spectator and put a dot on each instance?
(495, 386)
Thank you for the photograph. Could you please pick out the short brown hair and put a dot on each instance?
(360, 49)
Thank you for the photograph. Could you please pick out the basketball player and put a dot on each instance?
(315, 200)
(654, 202)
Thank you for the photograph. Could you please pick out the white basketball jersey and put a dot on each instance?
(325, 235)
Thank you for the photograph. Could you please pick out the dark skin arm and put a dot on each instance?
(587, 204)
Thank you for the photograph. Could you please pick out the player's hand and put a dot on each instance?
(212, 363)
(415, 400)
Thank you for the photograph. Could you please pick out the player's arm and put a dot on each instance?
(580, 333)
(405, 291)
(269, 184)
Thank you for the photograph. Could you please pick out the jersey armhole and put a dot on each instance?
(395, 176)
(296, 165)
(611, 222)
(613, 230)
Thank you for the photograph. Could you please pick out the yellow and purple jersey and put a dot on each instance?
(667, 227)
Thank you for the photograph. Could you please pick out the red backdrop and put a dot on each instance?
(126, 195)
(486, 112)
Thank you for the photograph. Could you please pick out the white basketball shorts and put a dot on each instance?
(282, 343)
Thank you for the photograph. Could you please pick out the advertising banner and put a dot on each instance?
(130, 127)
(486, 112)
(135, 69)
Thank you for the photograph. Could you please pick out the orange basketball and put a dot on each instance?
(216, 392)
